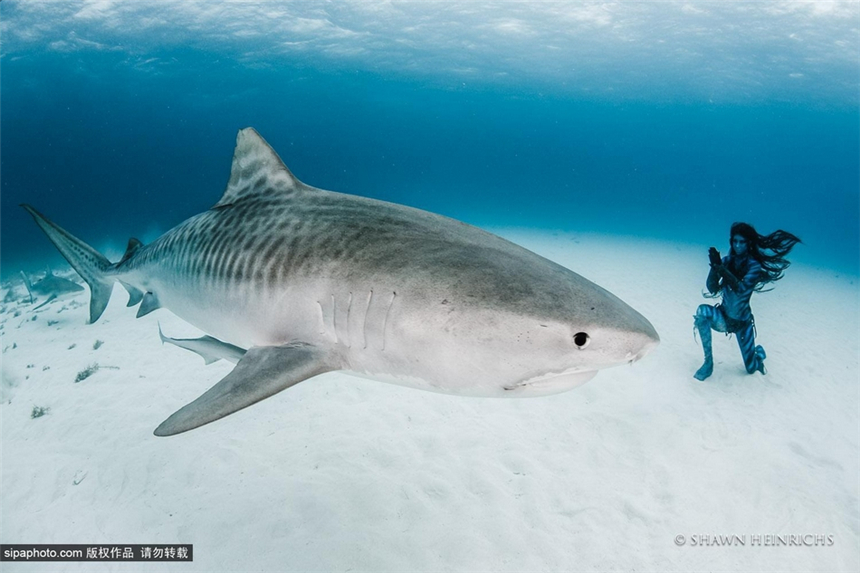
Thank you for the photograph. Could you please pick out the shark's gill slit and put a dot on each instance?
(348, 313)
(334, 318)
(385, 320)
(328, 319)
(322, 318)
(366, 312)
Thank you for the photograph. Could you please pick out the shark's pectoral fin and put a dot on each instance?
(262, 372)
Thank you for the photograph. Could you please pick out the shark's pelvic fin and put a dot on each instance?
(256, 169)
(209, 348)
(150, 303)
(135, 295)
(91, 265)
(262, 372)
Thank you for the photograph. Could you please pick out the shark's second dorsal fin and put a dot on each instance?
(134, 245)
(256, 169)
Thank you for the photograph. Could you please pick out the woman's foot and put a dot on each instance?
(706, 370)
(761, 355)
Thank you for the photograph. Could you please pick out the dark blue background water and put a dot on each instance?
(110, 147)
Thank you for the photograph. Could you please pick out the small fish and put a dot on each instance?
(208, 348)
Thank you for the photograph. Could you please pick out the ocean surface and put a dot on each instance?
(659, 120)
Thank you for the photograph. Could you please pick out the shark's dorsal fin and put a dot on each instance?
(256, 169)
(134, 246)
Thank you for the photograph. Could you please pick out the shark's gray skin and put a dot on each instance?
(50, 285)
(311, 281)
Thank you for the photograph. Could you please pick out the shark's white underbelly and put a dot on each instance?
(381, 330)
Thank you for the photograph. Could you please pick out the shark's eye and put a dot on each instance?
(581, 340)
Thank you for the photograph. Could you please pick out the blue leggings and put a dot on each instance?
(709, 318)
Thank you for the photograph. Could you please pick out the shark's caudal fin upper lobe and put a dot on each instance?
(91, 265)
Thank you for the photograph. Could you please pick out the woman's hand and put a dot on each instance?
(714, 256)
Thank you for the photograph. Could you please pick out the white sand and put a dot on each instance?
(341, 473)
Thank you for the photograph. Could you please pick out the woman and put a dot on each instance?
(734, 278)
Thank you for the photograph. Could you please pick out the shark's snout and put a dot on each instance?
(645, 349)
(644, 339)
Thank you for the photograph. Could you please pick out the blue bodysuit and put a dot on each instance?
(733, 315)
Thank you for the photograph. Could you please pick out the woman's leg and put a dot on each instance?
(707, 317)
(753, 355)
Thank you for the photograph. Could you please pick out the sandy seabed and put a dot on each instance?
(341, 473)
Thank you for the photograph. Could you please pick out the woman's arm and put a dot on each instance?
(713, 282)
(747, 282)
(728, 278)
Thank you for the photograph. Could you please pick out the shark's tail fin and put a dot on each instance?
(92, 266)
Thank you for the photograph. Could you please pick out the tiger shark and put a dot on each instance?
(50, 285)
(290, 281)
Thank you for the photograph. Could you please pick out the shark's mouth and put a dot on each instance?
(552, 383)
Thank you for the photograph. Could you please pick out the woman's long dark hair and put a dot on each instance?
(779, 243)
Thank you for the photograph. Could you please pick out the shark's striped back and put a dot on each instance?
(270, 231)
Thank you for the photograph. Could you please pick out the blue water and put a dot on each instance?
(120, 121)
